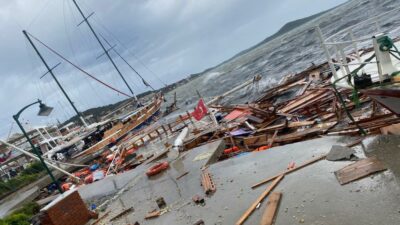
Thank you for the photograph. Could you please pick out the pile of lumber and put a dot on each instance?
(300, 107)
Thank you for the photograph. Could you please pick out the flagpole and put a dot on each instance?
(211, 114)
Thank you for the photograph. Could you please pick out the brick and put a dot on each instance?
(71, 210)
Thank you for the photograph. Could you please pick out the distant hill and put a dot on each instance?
(286, 28)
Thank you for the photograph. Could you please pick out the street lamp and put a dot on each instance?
(43, 111)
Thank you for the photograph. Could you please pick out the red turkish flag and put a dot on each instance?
(200, 111)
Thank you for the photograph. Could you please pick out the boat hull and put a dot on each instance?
(120, 130)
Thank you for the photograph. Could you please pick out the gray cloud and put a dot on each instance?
(172, 37)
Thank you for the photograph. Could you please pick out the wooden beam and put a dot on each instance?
(271, 209)
(271, 141)
(121, 214)
(289, 171)
(253, 206)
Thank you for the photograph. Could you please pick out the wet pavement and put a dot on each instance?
(311, 195)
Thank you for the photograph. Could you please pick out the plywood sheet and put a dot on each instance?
(359, 170)
(272, 207)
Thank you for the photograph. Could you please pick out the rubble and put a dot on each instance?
(301, 108)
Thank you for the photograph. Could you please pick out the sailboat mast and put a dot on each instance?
(55, 78)
(104, 49)
(127, 63)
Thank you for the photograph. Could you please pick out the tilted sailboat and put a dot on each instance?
(98, 136)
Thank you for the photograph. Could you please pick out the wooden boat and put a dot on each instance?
(126, 125)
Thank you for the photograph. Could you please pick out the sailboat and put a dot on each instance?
(99, 135)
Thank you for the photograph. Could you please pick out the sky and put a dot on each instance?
(164, 40)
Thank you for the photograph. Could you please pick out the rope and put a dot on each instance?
(129, 52)
(130, 66)
(77, 67)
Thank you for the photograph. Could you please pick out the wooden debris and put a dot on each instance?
(101, 218)
(207, 182)
(153, 214)
(157, 156)
(289, 171)
(182, 175)
(258, 200)
(271, 141)
(354, 143)
(271, 209)
(359, 170)
(291, 137)
(392, 129)
(121, 214)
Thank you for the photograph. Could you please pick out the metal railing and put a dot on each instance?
(339, 58)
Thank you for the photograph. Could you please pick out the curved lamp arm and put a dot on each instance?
(16, 116)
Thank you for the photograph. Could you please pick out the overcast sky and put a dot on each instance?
(173, 38)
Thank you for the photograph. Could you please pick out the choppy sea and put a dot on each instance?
(291, 52)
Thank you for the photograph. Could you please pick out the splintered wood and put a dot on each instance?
(289, 171)
(253, 206)
(207, 182)
(121, 214)
(359, 170)
(153, 214)
(271, 209)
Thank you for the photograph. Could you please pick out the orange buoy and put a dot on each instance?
(156, 169)
(66, 186)
(89, 179)
(262, 148)
(131, 151)
(231, 150)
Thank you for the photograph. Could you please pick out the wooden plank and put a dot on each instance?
(392, 129)
(262, 140)
(254, 119)
(153, 214)
(301, 123)
(101, 218)
(271, 141)
(182, 175)
(302, 101)
(121, 214)
(273, 127)
(304, 88)
(359, 170)
(157, 156)
(258, 200)
(289, 171)
(290, 125)
(354, 143)
(271, 209)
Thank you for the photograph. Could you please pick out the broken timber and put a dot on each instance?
(289, 171)
(271, 209)
(153, 214)
(259, 199)
(121, 214)
(359, 170)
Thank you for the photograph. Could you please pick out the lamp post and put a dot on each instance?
(43, 111)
